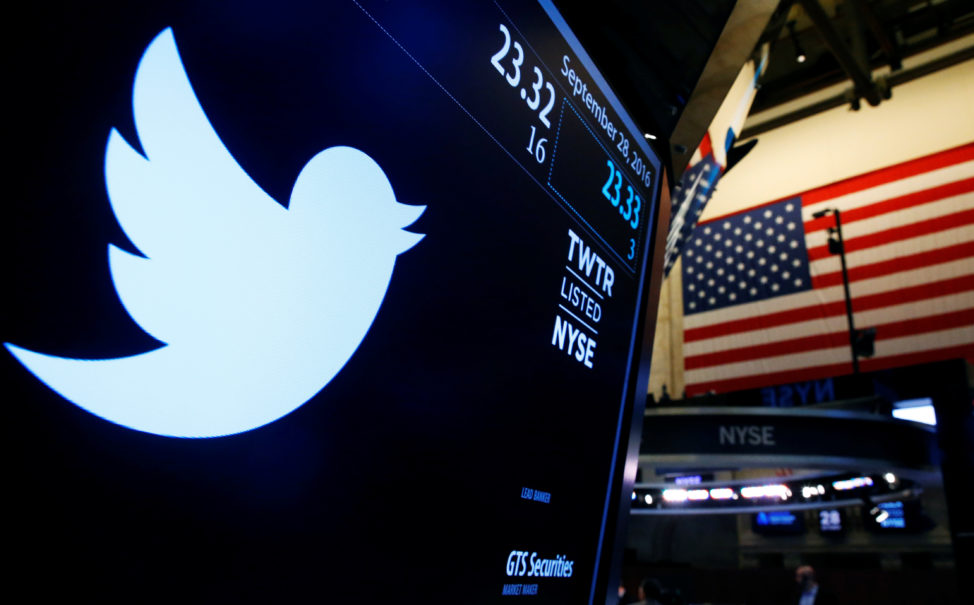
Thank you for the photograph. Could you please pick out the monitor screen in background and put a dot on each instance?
(775, 523)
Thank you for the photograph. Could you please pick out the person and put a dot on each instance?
(625, 598)
(809, 592)
(649, 592)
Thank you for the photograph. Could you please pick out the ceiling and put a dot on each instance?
(659, 55)
(876, 33)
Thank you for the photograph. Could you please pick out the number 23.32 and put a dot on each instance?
(513, 77)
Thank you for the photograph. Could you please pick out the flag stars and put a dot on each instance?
(762, 256)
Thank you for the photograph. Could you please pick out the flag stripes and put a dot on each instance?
(909, 235)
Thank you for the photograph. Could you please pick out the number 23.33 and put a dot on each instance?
(612, 190)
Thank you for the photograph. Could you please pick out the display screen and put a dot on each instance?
(830, 521)
(780, 522)
(894, 516)
(320, 301)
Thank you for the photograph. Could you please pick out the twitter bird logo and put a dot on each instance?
(259, 306)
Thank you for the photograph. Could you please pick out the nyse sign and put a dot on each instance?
(752, 434)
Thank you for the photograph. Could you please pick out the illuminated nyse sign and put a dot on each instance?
(383, 265)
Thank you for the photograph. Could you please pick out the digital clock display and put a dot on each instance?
(330, 302)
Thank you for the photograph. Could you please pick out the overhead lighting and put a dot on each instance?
(917, 410)
(649, 136)
(766, 491)
(648, 499)
(800, 56)
(878, 514)
(854, 483)
(722, 493)
(890, 478)
(696, 495)
(675, 495)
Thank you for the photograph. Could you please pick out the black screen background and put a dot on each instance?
(401, 479)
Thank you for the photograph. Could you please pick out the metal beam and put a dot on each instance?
(744, 27)
(869, 18)
(900, 77)
(860, 76)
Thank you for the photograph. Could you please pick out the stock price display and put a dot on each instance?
(335, 301)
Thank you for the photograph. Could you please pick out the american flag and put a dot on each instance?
(763, 296)
(690, 196)
(710, 162)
